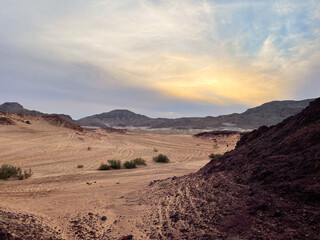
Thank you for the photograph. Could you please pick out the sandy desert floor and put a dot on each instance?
(71, 201)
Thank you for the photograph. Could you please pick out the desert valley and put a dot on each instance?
(160, 120)
(60, 197)
(67, 197)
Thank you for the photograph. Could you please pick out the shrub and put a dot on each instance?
(161, 158)
(27, 174)
(130, 164)
(8, 171)
(139, 161)
(214, 156)
(115, 164)
(80, 166)
(155, 150)
(104, 167)
(89, 148)
(103, 218)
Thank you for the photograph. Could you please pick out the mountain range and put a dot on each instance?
(266, 114)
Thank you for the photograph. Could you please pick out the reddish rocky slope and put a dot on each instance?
(267, 188)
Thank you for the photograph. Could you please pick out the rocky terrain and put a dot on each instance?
(267, 188)
(55, 120)
(14, 107)
(58, 121)
(267, 114)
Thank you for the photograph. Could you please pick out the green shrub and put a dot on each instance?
(139, 161)
(80, 166)
(130, 164)
(89, 148)
(161, 158)
(8, 171)
(115, 164)
(104, 167)
(214, 156)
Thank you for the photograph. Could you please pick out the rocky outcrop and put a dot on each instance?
(56, 120)
(267, 188)
(6, 121)
(14, 107)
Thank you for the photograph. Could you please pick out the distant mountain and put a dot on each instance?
(14, 107)
(267, 114)
(120, 118)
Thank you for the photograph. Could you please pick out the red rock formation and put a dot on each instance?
(267, 188)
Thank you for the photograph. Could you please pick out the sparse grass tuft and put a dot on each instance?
(139, 161)
(214, 156)
(161, 158)
(115, 164)
(104, 167)
(129, 164)
(80, 166)
(8, 171)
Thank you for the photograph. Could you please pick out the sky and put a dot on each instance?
(158, 58)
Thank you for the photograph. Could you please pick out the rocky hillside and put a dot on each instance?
(120, 118)
(267, 114)
(14, 107)
(267, 188)
(55, 120)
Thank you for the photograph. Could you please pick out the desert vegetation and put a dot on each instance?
(9, 171)
(80, 166)
(139, 161)
(214, 156)
(161, 158)
(104, 167)
(130, 164)
(115, 164)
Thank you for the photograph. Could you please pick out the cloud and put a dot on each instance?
(208, 53)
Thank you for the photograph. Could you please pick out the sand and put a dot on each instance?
(72, 200)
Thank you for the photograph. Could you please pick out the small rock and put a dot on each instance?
(129, 237)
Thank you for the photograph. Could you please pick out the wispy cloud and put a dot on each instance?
(210, 53)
